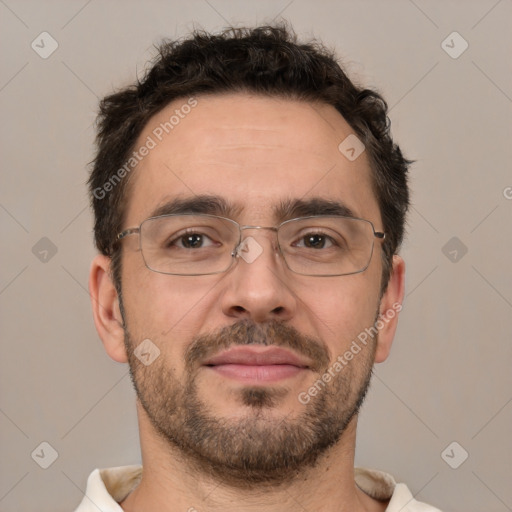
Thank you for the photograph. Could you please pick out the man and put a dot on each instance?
(249, 205)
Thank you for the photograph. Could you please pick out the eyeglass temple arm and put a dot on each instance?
(127, 232)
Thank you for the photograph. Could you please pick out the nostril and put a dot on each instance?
(278, 310)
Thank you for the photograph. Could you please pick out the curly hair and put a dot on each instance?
(266, 60)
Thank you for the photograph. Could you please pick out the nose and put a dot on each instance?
(258, 286)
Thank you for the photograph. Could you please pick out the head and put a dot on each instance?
(246, 125)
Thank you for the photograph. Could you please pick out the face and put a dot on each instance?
(239, 349)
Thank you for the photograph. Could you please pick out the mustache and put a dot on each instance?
(247, 332)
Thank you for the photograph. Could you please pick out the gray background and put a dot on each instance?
(448, 378)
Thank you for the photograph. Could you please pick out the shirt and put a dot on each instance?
(106, 488)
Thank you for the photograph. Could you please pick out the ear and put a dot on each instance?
(390, 307)
(105, 307)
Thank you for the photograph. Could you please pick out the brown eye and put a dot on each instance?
(315, 241)
(192, 241)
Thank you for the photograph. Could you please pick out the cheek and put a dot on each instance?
(163, 307)
(342, 309)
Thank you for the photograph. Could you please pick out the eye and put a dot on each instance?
(315, 241)
(191, 240)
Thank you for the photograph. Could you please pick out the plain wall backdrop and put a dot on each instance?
(448, 378)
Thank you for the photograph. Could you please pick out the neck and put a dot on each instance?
(170, 482)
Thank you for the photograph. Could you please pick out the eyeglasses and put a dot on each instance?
(195, 245)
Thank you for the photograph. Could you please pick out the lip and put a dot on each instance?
(257, 364)
(257, 356)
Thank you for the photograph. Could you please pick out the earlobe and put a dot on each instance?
(390, 307)
(105, 307)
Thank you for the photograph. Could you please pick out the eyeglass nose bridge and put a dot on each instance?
(241, 244)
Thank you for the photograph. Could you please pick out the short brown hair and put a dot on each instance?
(265, 60)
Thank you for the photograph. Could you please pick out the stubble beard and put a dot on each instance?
(258, 447)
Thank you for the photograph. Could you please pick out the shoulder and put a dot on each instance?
(382, 486)
(108, 487)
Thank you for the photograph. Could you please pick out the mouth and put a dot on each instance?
(257, 364)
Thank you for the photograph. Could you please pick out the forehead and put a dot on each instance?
(254, 152)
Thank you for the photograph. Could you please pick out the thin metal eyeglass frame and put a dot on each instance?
(235, 252)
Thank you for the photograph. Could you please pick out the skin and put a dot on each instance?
(257, 152)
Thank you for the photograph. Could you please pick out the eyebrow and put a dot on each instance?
(285, 210)
(202, 204)
(293, 208)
